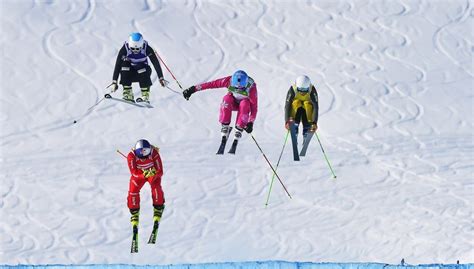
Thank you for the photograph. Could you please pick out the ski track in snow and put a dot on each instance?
(395, 86)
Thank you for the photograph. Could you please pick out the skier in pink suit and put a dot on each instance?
(241, 97)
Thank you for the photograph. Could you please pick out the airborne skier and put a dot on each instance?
(302, 106)
(145, 165)
(241, 97)
(132, 66)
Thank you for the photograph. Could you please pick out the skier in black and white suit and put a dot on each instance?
(132, 66)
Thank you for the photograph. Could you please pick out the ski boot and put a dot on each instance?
(134, 220)
(145, 95)
(225, 131)
(128, 94)
(157, 213)
(237, 136)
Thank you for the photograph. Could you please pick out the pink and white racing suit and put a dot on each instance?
(242, 100)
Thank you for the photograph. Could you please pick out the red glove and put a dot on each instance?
(287, 124)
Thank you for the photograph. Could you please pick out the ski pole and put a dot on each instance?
(273, 177)
(270, 165)
(93, 106)
(334, 175)
(119, 152)
(169, 88)
(168, 70)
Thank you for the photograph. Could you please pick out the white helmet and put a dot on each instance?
(135, 42)
(142, 148)
(303, 83)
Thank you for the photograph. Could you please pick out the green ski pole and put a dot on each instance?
(273, 177)
(332, 171)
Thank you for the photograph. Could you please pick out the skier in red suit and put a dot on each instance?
(145, 165)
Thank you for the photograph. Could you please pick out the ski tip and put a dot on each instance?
(107, 95)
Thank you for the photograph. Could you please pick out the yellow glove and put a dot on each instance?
(149, 172)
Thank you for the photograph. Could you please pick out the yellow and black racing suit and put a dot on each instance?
(302, 107)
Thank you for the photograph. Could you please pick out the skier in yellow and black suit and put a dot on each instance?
(302, 105)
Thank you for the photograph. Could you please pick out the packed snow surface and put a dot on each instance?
(395, 84)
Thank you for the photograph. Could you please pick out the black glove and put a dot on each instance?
(249, 127)
(188, 92)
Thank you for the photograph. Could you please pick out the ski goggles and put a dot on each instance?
(143, 152)
(135, 50)
(303, 90)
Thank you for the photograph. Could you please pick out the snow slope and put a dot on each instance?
(395, 81)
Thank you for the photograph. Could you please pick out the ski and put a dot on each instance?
(108, 96)
(233, 148)
(134, 248)
(221, 149)
(294, 141)
(154, 232)
(140, 100)
(306, 141)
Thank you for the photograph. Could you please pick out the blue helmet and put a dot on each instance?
(142, 148)
(239, 79)
(135, 42)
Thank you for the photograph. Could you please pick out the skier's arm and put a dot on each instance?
(218, 83)
(158, 165)
(315, 101)
(289, 100)
(118, 62)
(132, 166)
(253, 96)
(150, 52)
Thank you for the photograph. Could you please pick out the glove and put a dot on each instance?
(313, 127)
(150, 172)
(287, 124)
(113, 86)
(145, 173)
(163, 82)
(249, 127)
(188, 92)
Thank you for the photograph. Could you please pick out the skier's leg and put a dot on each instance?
(308, 107)
(306, 117)
(126, 78)
(243, 114)
(144, 79)
(225, 113)
(158, 198)
(227, 106)
(243, 109)
(133, 198)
